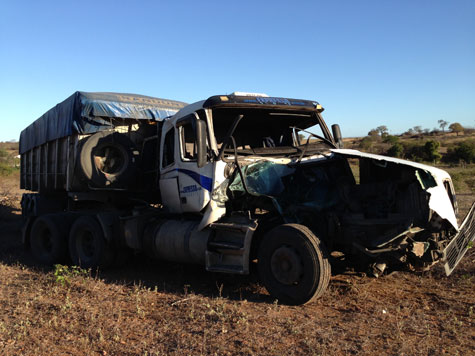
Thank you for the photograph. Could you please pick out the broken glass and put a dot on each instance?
(290, 187)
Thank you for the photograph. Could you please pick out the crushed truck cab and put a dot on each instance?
(237, 180)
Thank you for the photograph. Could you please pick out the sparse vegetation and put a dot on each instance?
(158, 308)
(463, 177)
(431, 151)
(462, 151)
(366, 143)
(391, 139)
(427, 151)
(420, 144)
(396, 150)
(64, 274)
(9, 164)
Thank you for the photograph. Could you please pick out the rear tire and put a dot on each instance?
(87, 245)
(48, 239)
(293, 264)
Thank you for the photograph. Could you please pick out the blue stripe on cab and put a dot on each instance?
(205, 182)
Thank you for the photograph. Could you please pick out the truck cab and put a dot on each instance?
(196, 142)
(249, 157)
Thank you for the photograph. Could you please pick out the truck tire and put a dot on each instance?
(48, 239)
(293, 264)
(87, 245)
(107, 159)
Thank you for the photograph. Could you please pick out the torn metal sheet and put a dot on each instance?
(439, 200)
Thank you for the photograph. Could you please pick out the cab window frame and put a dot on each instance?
(170, 135)
(181, 128)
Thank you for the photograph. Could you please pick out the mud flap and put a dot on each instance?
(459, 245)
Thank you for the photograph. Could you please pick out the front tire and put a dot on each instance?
(87, 245)
(293, 264)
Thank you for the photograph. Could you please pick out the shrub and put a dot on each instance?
(391, 139)
(414, 152)
(7, 163)
(6, 169)
(396, 150)
(464, 150)
(4, 156)
(366, 143)
(431, 150)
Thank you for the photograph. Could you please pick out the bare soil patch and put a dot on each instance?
(157, 308)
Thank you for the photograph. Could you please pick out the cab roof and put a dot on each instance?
(260, 100)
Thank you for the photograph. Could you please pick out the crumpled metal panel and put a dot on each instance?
(439, 200)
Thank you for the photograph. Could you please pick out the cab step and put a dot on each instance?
(230, 244)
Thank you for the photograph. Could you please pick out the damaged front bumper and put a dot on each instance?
(459, 245)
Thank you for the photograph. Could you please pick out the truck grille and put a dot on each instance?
(459, 245)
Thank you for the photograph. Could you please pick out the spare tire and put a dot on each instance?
(107, 159)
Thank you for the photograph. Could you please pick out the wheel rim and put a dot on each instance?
(109, 159)
(286, 265)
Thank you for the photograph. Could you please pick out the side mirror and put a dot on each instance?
(202, 158)
(337, 135)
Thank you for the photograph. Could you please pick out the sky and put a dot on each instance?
(398, 63)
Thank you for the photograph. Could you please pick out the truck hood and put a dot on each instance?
(439, 200)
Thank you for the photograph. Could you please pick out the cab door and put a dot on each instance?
(186, 178)
(169, 190)
(195, 178)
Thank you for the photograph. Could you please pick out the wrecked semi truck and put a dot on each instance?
(230, 182)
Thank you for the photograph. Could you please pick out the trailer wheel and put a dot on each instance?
(48, 239)
(87, 245)
(107, 159)
(293, 264)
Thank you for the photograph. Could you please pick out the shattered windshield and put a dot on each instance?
(263, 178)
(268, 132)
(287, 185)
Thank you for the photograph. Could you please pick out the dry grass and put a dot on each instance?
(10, 197)
(401, 314)
(155, 308)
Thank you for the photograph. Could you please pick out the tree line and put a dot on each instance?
(426, 149)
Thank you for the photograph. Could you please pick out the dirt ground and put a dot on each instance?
(157, 308)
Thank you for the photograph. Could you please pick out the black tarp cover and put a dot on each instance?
(86, 113)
